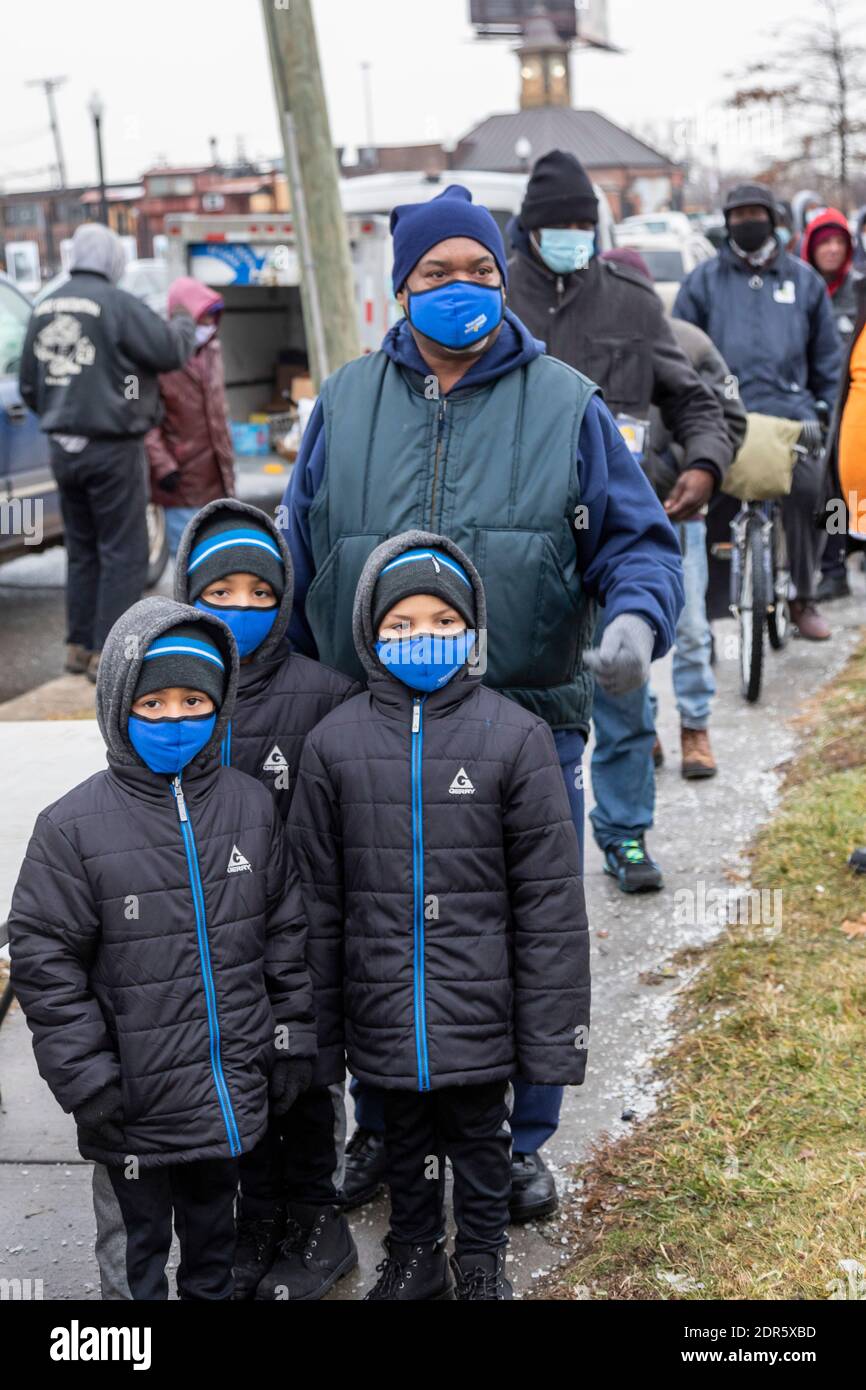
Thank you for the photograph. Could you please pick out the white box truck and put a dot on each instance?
(252, 259)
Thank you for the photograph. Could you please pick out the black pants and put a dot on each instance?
(299, 1159)
(798, 516)
(469, 1124)
(103, 500)
(133, 1229)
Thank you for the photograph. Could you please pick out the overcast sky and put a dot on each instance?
(173, 72)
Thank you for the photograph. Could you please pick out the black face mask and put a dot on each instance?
(751, 235)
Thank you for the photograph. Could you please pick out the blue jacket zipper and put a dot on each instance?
(222, 1089)
(417, 752)
(226, 747)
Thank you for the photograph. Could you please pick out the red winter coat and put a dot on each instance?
(193, 435)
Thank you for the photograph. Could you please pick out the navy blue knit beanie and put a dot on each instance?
(416, 227)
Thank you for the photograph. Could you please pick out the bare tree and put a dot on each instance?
(814, 77)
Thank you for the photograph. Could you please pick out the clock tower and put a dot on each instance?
(543, 59)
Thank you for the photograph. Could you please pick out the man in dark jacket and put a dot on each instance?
(157, 942)
(89, 370)
(448, 941)
(234, 563)
(461, 423)
(604, 318)
(769, 315)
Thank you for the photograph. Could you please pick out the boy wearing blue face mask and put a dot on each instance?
(157, 941)
(448, 940)
(233, 564)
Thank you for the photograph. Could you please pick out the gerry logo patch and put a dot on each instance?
(275, 761)
(237, 863)
(461, 786)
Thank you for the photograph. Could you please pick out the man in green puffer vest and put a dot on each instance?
(461, 424)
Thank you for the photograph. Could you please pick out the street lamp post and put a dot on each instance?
(96, 109)
(523, 152)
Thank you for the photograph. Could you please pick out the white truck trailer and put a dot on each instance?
(252, 260)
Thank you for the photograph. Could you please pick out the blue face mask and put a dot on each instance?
(248, 626)
(425, 662)
(167, 745)
(564, 249)
(456, 315)
(783, 235)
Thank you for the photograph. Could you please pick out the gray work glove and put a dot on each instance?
(101, 1116)
(622, 662)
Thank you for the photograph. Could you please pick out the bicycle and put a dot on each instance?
(760, 578)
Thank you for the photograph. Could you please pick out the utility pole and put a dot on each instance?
(96, 108)
(327, 290)
(49, 85)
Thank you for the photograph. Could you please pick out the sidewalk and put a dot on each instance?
(703, 828)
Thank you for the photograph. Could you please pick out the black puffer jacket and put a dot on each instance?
(156, 952)
(281, 694)
(448, 938)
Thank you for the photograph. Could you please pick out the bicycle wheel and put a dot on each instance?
(751, 610)
(779, 614)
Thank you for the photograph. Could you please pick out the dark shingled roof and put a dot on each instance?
(589, 135)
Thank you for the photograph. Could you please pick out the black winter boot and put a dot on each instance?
(481, 1278)
(258, 1242)
(412, 1273)
(366, 1168)
(533, 1191)
(318, 1250)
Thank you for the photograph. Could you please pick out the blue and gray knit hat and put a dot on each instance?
(184, 655)
(232, 543)
(423, 571)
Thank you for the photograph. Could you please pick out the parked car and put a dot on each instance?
(27, 486)
(654, 224)
(148, 279)
(669, 258)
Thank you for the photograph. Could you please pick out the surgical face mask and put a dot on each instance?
(167, 745)
(425, 662)
(564, 249)
(248, 626)
(203, 333)
(751, 235)
(783, 234)
(457, 315)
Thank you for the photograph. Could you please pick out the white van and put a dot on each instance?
(369, 194)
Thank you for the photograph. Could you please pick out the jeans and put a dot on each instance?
(623, 779)
(694, 683)
(535, 1116)
(103, 499)
(176, 519)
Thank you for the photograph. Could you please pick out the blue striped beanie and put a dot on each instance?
(186, 655)
(232, 543)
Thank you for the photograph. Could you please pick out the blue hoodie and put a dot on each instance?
(628, 554)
